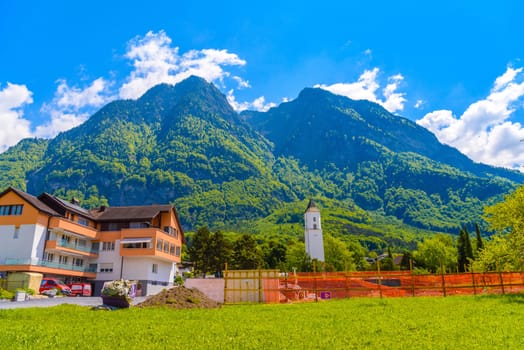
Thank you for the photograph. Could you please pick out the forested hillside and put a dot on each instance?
(378, 178)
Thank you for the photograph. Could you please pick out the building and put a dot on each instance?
(58, 238)
(313, 232)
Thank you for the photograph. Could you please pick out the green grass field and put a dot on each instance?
(470, 322)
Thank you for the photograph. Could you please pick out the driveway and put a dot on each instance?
(47, 302)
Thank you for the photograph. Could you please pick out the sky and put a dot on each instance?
(454, 67)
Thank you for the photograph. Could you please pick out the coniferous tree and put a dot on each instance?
(480, 244)
(464, 250)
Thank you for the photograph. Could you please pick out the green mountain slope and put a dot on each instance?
(378, 177)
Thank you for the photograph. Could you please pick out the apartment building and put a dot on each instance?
(59, 238)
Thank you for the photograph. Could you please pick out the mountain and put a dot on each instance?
(377, 176)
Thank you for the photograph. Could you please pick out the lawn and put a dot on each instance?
(472, 322)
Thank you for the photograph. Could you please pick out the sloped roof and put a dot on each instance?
(56, 202)
(143, 212)
(34, 201)
(311, 206)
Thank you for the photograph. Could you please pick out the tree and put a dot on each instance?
(337, 255)
(199, 250)
(479, 243)
(297, 258)
(274, 254)
(464, 250)
(504, 252)
(246, 254)
(407, 258)
(435, 252)
(220, 251)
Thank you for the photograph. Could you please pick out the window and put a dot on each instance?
(177, 252)
(314, 226)
(314, 218)
(83, 221)
(168, 230)
(78, 262)
(155, 268)
(136, 245)
(11, 209)
(17, 232)
(138, 225)
(171, 249)
(65, 239)
(166, 247)
(159, 244)
(62, 259)
(106, 267)
(108, 246)
(48, 257)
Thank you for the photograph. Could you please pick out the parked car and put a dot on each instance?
(50, 284)
(80, 289)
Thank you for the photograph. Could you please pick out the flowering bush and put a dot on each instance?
(120, 288)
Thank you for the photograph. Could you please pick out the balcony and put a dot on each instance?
(60, 224)
(46, 267)
(69, 248)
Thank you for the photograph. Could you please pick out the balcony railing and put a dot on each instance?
(50, 264)
(85, 249)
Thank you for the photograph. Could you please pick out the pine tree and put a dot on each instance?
(464, 250)
(461, 251)
(480, 244)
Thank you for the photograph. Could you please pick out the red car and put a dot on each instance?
(48, 284)
(80, 289)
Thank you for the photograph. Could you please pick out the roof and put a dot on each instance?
(311, 206)
(34, 201)
(61, 203)
(143, 212)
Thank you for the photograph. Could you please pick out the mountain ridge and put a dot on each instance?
(185, 144)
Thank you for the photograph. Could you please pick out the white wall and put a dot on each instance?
(141, 268)
(313, 237)
(109, 257)
(29, 244)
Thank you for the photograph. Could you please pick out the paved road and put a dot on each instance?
(47, 302)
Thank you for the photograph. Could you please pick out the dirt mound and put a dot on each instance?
(180, 298)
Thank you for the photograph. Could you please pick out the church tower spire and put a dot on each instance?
(313, 232)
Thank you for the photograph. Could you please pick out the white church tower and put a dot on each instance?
(313, 233)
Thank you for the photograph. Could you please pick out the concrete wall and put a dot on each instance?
(213, 288)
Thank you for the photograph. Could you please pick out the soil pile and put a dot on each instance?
(180, 298)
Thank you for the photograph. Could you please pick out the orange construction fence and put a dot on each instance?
(274, 287)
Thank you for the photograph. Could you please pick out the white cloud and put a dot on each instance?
(74, 97)
(60, 121)
(71, 106)
(155, 61)
(418, 104)
(365, 88)
(14, 128)
(258, 104)
(485, 131)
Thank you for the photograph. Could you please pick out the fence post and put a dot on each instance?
(315, 279)
(412, 277)
(379, 279)
(473, 280)
(501, 282)
(259, 285)
(443, 279)
(226, 275)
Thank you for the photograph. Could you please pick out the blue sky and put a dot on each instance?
(455, 67)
